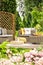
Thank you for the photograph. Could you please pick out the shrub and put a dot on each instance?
(8, 5)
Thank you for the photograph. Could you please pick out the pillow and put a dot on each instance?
(4, 31)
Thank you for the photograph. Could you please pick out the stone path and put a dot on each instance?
(27, 45)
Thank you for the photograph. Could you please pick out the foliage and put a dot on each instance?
(27, 20)
(3, 49)
(18, 21)
(19, 50)
(24, 23)
(37, 18)
(39, 48)
(34, 12)
(8, 5)
(30, 4)
(38, 27)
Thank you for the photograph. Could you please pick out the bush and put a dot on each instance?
(8, 5)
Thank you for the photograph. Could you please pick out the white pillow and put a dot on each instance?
(4, 31)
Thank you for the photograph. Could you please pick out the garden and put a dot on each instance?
(27, 15)
(20, 56)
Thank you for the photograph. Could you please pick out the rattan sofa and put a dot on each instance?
(33, 39)
(7, 21)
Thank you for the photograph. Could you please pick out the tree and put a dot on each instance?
(34, 7)
(8, 5)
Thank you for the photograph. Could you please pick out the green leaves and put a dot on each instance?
(8, 5)
(3, 49)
